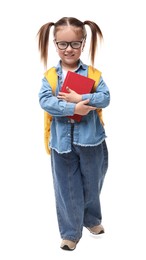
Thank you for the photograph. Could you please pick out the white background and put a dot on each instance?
(28, 225)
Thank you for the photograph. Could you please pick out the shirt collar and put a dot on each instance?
(81, 65)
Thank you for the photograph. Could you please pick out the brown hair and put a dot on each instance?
(44, 31)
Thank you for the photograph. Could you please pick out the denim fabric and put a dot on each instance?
(88, 132)
(78, 178)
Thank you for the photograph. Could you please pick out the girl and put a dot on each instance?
(79, 156)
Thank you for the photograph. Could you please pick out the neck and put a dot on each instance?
(70, 67)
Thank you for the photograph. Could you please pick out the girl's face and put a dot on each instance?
(69, 44)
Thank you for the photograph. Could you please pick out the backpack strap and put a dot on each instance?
(52, 78)
(96, 74)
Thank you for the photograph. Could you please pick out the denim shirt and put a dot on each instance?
(89, 131)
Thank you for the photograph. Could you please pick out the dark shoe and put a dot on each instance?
(68, 245)
(96, 230)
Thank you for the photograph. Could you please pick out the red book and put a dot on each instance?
(78, 83)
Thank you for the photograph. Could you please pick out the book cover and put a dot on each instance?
(80, 84)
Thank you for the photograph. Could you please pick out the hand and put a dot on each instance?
(71, 96)
(82, 108)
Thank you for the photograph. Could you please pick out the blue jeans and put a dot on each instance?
(78, 178)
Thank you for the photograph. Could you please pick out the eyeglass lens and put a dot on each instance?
(63, 45)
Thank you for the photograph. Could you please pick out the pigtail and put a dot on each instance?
(43, 41)
(95, 34)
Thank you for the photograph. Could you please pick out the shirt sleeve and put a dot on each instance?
(101, 97)
(52, 104)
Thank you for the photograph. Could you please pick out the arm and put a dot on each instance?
(100, 98)
(52, 104)
(60, 107)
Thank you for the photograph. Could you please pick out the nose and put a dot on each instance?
(69, 47)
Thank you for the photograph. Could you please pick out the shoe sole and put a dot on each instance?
(95, 233)
(67, 248)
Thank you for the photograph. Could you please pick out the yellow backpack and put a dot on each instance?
(52, 79)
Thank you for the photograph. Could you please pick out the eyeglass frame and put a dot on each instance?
(69, 43)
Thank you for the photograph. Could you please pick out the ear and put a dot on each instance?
(55, 45)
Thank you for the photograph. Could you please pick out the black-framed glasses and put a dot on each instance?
(62, 45)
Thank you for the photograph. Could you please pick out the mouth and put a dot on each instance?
(69, 55)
